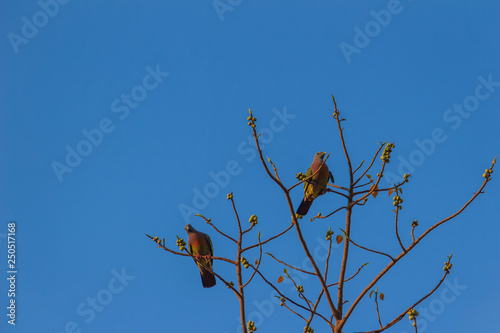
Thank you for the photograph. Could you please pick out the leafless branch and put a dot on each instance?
(396, 227)
(409, 248)
(370, 250)
(371, 164)
(287, 265)
(209, 222)
(324, 217)
(296, 223)
(258, 263)
(268, 240)
(401, 316)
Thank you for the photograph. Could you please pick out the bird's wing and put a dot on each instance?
(307, 183)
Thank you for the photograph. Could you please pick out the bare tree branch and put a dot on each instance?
(396, 227)
(371, 164)
(268, 240)
(258, 263)
(401, 316)
(209, 222)
(367, 249)
(287, 265)
(401, 255)
(296, 223)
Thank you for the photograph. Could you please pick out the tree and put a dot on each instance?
(356, 193)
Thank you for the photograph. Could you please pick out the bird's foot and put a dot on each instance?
(198, 256)
(208, 257)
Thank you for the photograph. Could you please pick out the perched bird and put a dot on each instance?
(201, 247)
(316, 185)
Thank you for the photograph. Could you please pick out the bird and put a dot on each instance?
(201, 247)
(316, 185)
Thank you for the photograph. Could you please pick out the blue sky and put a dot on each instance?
(163, 91)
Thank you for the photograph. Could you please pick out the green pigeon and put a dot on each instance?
(316, 185)
(201, 247)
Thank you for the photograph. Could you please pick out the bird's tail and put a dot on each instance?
(207, 278)
(304, 207)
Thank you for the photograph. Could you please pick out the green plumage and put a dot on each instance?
(316, 185)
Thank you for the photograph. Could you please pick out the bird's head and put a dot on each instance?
(320, 155)
(189, 228)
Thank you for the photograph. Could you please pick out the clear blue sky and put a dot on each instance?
(163, 91)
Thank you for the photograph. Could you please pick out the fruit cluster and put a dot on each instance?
(300, 289)
(251, 119)
(447, 267)
(181, 243)
(487, 173)
(230, 196)
(414, 223)
(251, 326)
(230, 284)
(386, 155)
(397, 201)
(308, 330)
(412, 314)
(300, 176)
(282, 299)
(329, 234)
(253, 219)
(245, 262)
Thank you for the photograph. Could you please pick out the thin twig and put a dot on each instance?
(292, 267)
(274, 168)
(352, 277)
(249, 228)
(396, 226)
(294, 312)
(328, 259)
(258, 263)
(209, 222)
(337, 192)
(371, 164)
(367, 183)
(378, 312)
(341, 132)
(343, 267)
(268, 240)
(359, 166)
(324, 217)
(370, 250)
